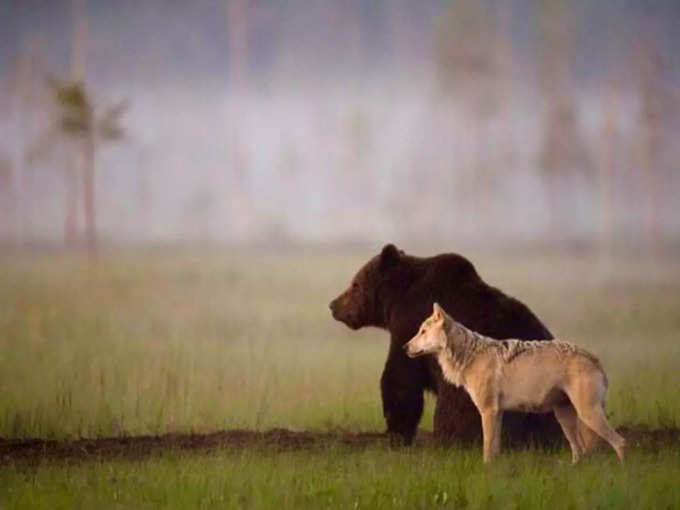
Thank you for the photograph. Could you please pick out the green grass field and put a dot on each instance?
(345, 478)
(154, 342)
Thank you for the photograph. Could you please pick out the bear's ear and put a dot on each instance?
(389, 256)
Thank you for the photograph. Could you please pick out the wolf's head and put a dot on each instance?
(432, 334)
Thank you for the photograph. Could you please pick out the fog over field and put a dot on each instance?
(326, 122)
(185, 186)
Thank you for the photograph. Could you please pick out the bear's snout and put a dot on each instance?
(341, 313)
(336, 307)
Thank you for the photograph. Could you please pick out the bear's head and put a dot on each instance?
(360, 305)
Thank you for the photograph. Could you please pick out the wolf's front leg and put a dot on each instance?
(491, 431)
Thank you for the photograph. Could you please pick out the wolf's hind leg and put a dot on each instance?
(568, 420)
(588, 437)
(594, 417)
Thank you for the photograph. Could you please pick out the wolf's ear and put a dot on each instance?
(437, 311)
(440, 314)
(389, 256)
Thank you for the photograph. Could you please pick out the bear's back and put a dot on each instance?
(452, 280)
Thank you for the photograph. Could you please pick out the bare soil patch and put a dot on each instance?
(36, 450)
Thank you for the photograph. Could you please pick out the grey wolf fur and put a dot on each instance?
(537, 377)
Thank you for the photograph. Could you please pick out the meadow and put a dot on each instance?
(189, 341)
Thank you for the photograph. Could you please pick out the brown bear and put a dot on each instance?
(396, 291)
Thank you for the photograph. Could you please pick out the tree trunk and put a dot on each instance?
(79, 39)
(71, 216)
(652, 99)
(652, 184)
(89, 194)
(607, 164)
(17, 173)
(80, 161)
(237, 34)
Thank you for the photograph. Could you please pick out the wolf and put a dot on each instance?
(533, 377)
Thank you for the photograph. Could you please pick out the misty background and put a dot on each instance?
(246, 122)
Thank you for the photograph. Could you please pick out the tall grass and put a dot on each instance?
(195, 341)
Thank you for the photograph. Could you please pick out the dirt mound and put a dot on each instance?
(138, 446)
(652, 440)
(36, 450)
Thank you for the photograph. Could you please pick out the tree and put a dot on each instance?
(237, 33)
(656, 106)
(77, 120)
(469, 74)
(609, 142)
(465, 45)
(16, 89)
(563, 154)
(5, 197)
(22, 111)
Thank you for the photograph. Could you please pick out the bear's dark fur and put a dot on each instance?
(396, 291)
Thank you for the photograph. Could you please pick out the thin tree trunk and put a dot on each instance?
(607, 164)
(79, 44)
(651, 92)
(479, 192)
(79, 39)
(649, 151)
(237, 37)
(89, 194)
(71, 216)
(237, 34)
(19, 79)
(18, 164)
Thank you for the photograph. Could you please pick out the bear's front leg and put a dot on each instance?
(402, 386)
(456, 419)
